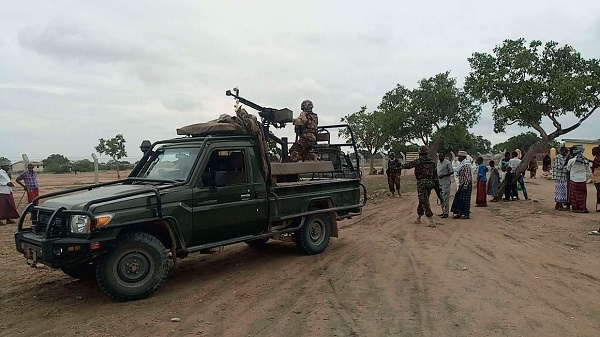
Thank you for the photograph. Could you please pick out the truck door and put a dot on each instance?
(225, 203)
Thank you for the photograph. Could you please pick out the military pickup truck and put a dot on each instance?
(188, 194)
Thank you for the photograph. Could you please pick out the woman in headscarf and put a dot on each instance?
(596, 174)
(461, 206)
(532, 168)
(546, 163)
(481, 197)
(560, 177)
(578, 168)
(494, 182)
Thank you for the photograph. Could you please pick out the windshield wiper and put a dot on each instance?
(151, 180)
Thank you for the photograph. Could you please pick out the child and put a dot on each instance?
(510, 186)
(494, 182)
(481, 201)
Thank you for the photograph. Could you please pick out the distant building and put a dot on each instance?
(20, 166)
(586, 144)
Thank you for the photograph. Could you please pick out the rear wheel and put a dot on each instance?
(314, 236)
(81, 271)
(136, 268)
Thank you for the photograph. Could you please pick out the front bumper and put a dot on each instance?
(59, 252)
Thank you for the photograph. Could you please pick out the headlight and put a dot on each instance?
(80, 224)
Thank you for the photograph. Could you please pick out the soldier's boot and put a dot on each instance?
(418, 221)
(431, 222)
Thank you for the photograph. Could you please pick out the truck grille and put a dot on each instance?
(57, 228)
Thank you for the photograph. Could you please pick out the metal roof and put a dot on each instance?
(581, 141)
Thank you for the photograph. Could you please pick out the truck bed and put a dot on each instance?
(293, 198)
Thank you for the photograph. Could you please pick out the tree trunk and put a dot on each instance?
(433, 146)
(372, 164)
(118, 173)
(534, 149)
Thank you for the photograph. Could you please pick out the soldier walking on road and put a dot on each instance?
(306, 132)
(427, 178)
(393, 172)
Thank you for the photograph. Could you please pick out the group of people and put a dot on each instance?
(570, 172)
(436, 176)
(27, 180)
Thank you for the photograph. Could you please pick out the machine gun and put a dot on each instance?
(269, 116)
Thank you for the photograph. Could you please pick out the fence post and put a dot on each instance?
(96, 180)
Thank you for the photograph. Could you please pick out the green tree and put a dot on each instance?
(523, 141)
(56, 163)
(83, 165)
(459, 138)
(482, 145)
(529, 83)
(432, 109)
(370, 130)
(114, 148)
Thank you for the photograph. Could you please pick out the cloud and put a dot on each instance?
(71, 40)
(181, 102)
(73, 72)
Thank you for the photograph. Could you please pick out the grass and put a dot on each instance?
(377, 186)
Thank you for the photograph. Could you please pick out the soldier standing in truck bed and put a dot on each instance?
(306, 131)
(426, 174)
(393, 173)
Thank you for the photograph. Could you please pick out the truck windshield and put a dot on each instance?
(170, 164)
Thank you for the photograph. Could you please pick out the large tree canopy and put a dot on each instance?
(434, 107)
(369, 129)
(459, 138)
(528, 83)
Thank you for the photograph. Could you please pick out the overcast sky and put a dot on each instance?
(72, 72)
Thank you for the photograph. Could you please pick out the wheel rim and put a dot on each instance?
(316, 232)
(133, 268)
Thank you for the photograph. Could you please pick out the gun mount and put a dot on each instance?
(269, 116)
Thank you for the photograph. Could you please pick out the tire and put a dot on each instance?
(313, 237)
(258, 243)
(82, 271)
(134, 269)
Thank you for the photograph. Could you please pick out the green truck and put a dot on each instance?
(187, 194)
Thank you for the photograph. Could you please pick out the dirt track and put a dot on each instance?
(515, 269)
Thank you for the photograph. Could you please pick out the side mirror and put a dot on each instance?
(145, 146)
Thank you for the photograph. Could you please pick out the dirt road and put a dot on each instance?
(514, 269)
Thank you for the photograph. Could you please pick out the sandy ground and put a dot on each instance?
(514, 269)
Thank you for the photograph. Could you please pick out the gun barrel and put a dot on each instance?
(245, 101)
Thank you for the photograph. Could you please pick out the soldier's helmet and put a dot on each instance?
(391, 154)
(307, 105)
(423, 149)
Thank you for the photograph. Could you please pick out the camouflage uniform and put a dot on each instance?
(306, 130)
(426, 174)
(393, 172)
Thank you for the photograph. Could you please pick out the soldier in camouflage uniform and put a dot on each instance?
(393, 173)
(306, 130)
(426, 174)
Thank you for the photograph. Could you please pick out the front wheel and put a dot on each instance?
(135, 269)
(314, 236)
